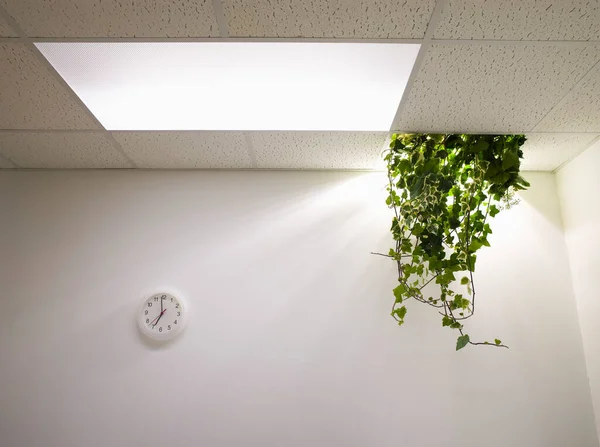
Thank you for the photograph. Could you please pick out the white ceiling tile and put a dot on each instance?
(579, 111)
(492, 88)
(32, 98)
(332, 18)
(519, 20)
(61, 150)
(114, 18)
(318, 150)
(546, 152)
(6, 30)
(185, 150)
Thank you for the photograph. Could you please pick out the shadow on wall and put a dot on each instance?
(537, 197)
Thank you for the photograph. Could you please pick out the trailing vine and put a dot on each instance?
(443, 189)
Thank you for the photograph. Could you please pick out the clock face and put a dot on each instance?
(162, 316)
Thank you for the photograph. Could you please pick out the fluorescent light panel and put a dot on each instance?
(237, 86)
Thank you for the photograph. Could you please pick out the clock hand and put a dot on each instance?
(157, 318)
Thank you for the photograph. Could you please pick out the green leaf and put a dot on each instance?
(471, 262)
(417, 188)
(510, 160)
(403, 166)
(494, 210)
(462, 341)
(498, 342)
(399, 292)
(400, 312)
(464, 280)
(446, 320)
(480, 146)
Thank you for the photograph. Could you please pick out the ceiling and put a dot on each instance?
(485, 66)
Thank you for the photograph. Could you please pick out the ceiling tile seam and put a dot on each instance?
(250, 150)
(216, 40)
(117, 147)
(434, 19)
(159, 39)
(9, 160)
(221, 20)
(577, 154)
(37, 130)
(508, 42)
(561, 101)
(103, 132)
(209, 169)
(29, 43)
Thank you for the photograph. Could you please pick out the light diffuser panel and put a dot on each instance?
(237, 86)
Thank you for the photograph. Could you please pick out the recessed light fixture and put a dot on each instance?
(237, 86)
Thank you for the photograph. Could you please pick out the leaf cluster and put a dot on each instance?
(443, 190)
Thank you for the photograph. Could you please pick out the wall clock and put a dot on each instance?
(162, 316)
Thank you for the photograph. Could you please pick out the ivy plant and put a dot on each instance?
(443, 189)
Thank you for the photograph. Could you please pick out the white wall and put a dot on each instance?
(579, 189)
(290, 343)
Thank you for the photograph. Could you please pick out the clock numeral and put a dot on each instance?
(175, 322)
(171, 299)
(160, 329)
(147, 320)
(164, 297)
(169, 327)
(155, 298)
(149, 304)
(177, 306)
(178, 314)
(145, 312)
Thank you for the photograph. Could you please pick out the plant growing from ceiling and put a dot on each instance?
(443, 189)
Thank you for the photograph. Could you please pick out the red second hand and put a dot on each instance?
(159, 315)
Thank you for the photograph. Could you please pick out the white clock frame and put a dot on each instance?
(163, 336)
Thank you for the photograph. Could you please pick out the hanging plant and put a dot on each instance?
(443, 189)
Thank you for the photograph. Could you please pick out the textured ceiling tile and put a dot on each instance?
(519, 20)
(332, 18)
(546, 152)
(318, 150)
(185, 150)
(5, 30)
(579, 111)
(114, 18)
(5, 163)
(492, 88)
(56, 150)
(30, 96)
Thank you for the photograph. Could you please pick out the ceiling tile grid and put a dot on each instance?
(114, 18)
(546, 152)
(61, 150)
(32, 98)
(492, 88)
(318, 150)
(333, 18)
(6, 30)
(186, 150)
(579, 111)
(519, 20)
